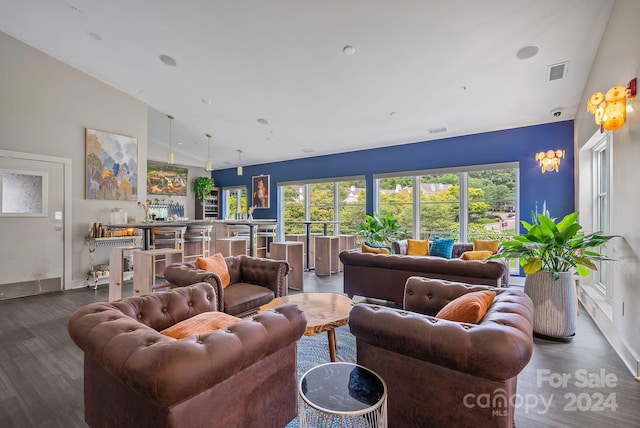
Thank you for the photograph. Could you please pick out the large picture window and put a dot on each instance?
(338, 200)
(466, 204)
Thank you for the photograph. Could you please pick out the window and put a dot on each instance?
(601, 201)
(466, 204)
(235, 201)
(342, 200)
(395, 195)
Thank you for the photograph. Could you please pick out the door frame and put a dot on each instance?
(66, 192)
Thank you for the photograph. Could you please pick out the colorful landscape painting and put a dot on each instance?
(164, 179)
(111, 166)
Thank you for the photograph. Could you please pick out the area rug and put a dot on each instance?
(314, 350)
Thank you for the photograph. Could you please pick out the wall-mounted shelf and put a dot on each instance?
(209, 208)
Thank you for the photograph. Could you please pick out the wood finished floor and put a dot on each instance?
(41, 370)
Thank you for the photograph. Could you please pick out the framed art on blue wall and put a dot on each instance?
(260, 191)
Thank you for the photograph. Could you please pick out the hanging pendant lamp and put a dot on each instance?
(170, 155)
(208, 166)
(239, 169)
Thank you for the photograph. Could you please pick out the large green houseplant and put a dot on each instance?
(202, 186)
(549, 253)
(380, 230)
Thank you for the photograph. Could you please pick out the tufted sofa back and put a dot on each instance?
(162, 310)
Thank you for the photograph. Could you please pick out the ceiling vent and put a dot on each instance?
(557, 71)
(437, 130)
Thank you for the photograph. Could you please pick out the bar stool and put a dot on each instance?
(199, 233)
(265, 235)
(168, 237)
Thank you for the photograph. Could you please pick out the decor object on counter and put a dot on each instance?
(202, 186)
(548, 253)
(163, 179)
(550, 160)
(111, 166)
(610, 109)
(260, 191)
(380, 230)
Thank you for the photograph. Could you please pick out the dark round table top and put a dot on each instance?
(342, 389)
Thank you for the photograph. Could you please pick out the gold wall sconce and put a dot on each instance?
(550, 160)
(610, 109)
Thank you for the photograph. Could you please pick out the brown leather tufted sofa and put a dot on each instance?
(383, 276)
(254, 282)
(241, 376)
(440, 373)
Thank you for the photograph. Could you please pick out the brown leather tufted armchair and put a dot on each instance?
(441, 373)
(241, 376)
(254, 282)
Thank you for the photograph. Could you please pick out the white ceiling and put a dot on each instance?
(437, 64)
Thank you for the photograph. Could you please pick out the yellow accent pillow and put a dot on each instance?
(492, 246)
(215, 264)
(469, 308)
(476, 255)
(368, 249)
(200, 324)
(417, 247)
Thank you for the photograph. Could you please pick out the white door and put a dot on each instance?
(31, 225)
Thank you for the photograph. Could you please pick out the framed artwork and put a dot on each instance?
(165, 179)
(260, 191)
(111, 166)
(23, 193)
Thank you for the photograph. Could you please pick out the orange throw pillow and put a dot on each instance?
(492, 245)
(417, 247)
(476, 255)
(200, 324)
(215, 264)
(469, 308)
(368, 249)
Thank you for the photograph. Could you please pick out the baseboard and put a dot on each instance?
(600, 313)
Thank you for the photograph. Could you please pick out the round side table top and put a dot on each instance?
(342, 389)
(324, 311)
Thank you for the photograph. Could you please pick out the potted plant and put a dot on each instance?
(550, 253)
(202, 186)
(380, 230)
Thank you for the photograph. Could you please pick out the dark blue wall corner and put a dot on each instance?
(511, 145)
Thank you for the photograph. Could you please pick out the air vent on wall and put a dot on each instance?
(557, 71)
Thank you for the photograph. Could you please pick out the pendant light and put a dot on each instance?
(207, 166)
(239, 169)
(170, 155)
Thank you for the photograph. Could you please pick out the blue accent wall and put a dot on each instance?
(511, 145)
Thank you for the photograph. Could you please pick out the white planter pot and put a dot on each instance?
(554, 304)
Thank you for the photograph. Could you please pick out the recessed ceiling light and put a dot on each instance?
(270, 139)
(206, 101)
(168, 60)
(263, 121)
(349, 50)
(527, 52)
(308, 150)
(394, 114)
(179, 143)
(94, 36)
(437, 130)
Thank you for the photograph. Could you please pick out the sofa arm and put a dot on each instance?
(167, 371)
(496, 349)
(184, 274)
(268, 273)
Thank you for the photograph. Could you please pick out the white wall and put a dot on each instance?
(45, 107)
(617, 62)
